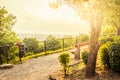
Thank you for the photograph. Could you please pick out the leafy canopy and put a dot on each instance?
(6, 22)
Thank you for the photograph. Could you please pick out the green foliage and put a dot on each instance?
(114, 55)
(64, 59)
(7, 36)
(13, 54)
(110, 54)
(28, 54)
(104, 51)
(85, 56)
(116, 39)
(68, 41)
(52, 43)
(107, 34)
(113, 15)
(41, 47)
(33, 45)
(82, 38)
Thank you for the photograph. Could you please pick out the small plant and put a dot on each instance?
(64, 59)
(85, 56)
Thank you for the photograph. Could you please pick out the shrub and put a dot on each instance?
(13, 53)
(41, 47)
(52, 43)
(104, 51)
(106, 39)
(68, 42)
(64, 59)
(85, 56)
(110, 55)
(114, 55)
(32, 44)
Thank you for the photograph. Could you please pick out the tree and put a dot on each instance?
(113, 15)
(6, 22)
(52, 43)
(94, 11)
(32, 44)
(7, 36)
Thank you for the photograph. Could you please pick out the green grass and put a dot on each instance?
(43, 53)
(35, 55)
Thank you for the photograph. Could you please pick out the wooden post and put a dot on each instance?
(76, 40)
(19, 54)
(1, 54)
(63, 43)
(21, 51)
(6, 53)
(0, 59)
(45, 48)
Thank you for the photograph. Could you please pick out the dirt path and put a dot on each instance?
(33, 69)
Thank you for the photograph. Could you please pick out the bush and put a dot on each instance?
(64, 59)
(52, 43)
(68, 42)
(13, 53)
(41, 47)
(110, 55)
(106, 39)
(104, 51)
(85, 56)
(114, 55)
(32, 44)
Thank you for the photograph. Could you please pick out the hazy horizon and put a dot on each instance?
(36, 16)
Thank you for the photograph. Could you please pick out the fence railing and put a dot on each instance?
(10, 52)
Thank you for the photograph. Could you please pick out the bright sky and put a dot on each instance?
(36, 16)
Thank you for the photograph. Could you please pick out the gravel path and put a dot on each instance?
(33, 69)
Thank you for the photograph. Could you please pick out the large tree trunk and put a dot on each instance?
(118, 31)
(95, 25)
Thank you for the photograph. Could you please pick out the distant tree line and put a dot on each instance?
(53, 43)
